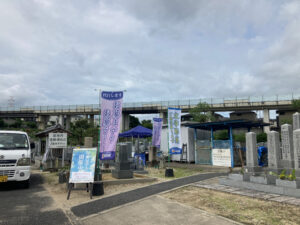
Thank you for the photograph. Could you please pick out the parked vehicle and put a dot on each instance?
(15, 153)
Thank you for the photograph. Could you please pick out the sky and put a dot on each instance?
(55, 52)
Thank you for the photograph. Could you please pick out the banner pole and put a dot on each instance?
(98, 171)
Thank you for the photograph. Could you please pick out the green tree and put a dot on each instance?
(221, 135)
(17, 124)
(147, 124)
(262, 137)
(133, 122)
(201, 113)
(2, 123)
(296, 104)
(80, 129)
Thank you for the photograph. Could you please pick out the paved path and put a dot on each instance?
(214, 185)
(103, 204)
(32, 206)
(156, 210)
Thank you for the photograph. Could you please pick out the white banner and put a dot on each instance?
(174, 119)
(221, 157)
(58, 140)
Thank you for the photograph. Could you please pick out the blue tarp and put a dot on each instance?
(262, 156)
(137, 132)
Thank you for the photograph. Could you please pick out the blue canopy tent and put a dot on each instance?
(137, 132)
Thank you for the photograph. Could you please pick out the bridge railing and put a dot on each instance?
(213, 102)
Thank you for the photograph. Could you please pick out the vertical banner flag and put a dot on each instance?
(174, 117)
(156, 133)
(111, 116)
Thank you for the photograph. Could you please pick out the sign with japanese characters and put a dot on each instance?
(83, 165)
(111, 116)
(174, 117)
(156, 133)
(58, 140)
(221, 157)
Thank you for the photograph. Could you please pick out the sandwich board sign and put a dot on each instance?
(82, 167)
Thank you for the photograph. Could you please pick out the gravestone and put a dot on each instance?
(296, 121)
(287, 146)
(88, 142)
(122, 165)
(251, 154)
(273, 151)
(296, 140)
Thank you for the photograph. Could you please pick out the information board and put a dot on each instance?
(58, 140)
(221, 157)
(83, 165)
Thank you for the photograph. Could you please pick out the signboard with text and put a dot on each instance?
(83, 165)
(58, 140)
(221, 157)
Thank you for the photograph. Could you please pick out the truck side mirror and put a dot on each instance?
(32, 145)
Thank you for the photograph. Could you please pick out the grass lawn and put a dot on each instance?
(238, 208)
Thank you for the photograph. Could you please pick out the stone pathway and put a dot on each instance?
(213, 184)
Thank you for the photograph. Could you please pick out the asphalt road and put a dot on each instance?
(32, 206)
(103, 204)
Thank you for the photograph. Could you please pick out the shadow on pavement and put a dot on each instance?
(28, 206)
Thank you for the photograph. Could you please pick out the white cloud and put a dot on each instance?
(58, 52)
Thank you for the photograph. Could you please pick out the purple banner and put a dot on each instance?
(156, 134)
(111, 115)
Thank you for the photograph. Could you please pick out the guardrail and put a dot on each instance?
(213, 102)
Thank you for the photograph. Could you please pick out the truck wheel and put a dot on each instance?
(25, 184)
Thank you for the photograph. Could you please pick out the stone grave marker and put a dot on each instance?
(296, 139)
(287, 146)
(122, 165)
(273, 151)
(251, 153)
(296, 121)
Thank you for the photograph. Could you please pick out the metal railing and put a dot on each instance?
(213, 102)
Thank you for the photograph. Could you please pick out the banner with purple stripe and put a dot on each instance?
(111, 116)
(156, 133)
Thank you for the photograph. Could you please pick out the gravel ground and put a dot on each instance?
(103, 204)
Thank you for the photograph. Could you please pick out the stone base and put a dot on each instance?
(239, 176)
(287, 183)
(140, 171)
(122, 174)
(253, 170)
(261, 187)
(263, 179)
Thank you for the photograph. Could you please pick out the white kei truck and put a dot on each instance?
(15, 157)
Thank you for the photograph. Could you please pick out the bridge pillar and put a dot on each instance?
(42, 122)
(125, 122)
(91, 120)
(68, 122)
(266, 119)
(61, 120)
(164, 116)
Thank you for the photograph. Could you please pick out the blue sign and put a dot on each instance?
(83, 165)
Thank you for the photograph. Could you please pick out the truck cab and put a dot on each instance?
(15, 153)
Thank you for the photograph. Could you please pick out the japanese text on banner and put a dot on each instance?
(111, 115)
(174, 117)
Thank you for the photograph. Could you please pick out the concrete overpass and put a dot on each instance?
(42, 113)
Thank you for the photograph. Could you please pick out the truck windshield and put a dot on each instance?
(10, 141)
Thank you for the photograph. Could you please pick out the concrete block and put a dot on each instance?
(288, 183)
(122, 174)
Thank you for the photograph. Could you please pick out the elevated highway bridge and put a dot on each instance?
(41, 113)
